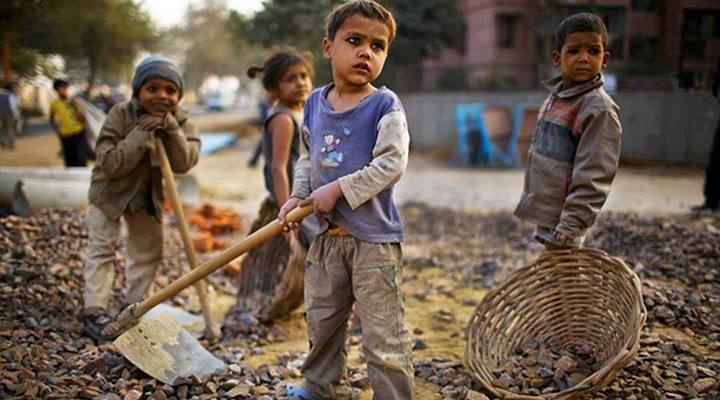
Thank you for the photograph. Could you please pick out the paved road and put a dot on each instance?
(225, 178)
(643, 189)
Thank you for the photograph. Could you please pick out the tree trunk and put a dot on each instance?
(7, 71)
(92, 76)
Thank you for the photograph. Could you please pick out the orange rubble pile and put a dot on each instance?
(212, 221)
(232, 269)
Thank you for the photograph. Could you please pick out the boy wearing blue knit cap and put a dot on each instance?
(127, 182)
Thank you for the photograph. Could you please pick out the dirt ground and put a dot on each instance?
(447, 272)
(462, 241)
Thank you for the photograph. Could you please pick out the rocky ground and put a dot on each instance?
(452, 259)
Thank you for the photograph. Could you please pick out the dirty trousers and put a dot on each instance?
(144, 254)
(8, 128)
(341, 270)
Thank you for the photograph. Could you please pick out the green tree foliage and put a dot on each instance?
(424, 28)
(214, 42)
(291, 22)
(27, 29)
(246, 52)
(300, 24)
(104, 35)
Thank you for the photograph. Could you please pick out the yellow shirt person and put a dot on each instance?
(67, 121)
(65, 115)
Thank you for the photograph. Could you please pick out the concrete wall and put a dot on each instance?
(657, 126)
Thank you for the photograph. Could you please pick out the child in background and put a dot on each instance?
(711, 189)
(287, 77)
(9, 116)
(66, 119)
(127, 182)
(576, 144)
(263, 108)
(357, 139)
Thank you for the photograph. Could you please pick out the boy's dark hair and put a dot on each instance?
(58, 83)
(278, 63)
(367, 8)
(580, 22)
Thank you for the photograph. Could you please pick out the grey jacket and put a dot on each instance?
(124, 158)
(573, 158)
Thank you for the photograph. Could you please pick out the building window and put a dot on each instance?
(506, 31)
(647, 5)
(614, 19)
(644, 50)
(699, 26)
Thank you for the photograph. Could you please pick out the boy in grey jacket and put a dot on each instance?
(126, 183)
(576, 144)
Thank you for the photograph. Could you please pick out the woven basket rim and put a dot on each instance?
(602, 375)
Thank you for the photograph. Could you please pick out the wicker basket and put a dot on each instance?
(565, 298)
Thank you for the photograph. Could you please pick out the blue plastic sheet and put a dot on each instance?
(214, 141)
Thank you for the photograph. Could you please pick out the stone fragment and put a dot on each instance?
(704, 385)
(242, 391)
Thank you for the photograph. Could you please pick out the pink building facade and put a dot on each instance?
(508, 42)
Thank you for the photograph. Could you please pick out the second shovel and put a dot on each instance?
(212, 330)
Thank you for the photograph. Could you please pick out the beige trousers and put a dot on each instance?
(340, 271)
(144, 246)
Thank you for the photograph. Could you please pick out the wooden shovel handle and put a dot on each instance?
(212, 331)
(231, 253)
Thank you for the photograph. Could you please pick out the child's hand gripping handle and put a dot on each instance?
(131, 315)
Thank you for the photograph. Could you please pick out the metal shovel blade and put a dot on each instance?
(193, 324)
(165, 351)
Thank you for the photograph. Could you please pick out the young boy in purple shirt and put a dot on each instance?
(357, 145)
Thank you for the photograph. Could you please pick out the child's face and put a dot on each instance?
(358, 52)
(62, 92)
(294, 86)
(581, 58)
(158, 96)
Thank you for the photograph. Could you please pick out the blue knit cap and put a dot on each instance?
(156, 67)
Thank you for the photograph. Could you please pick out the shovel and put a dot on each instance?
(160, 347)
(212, 331)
